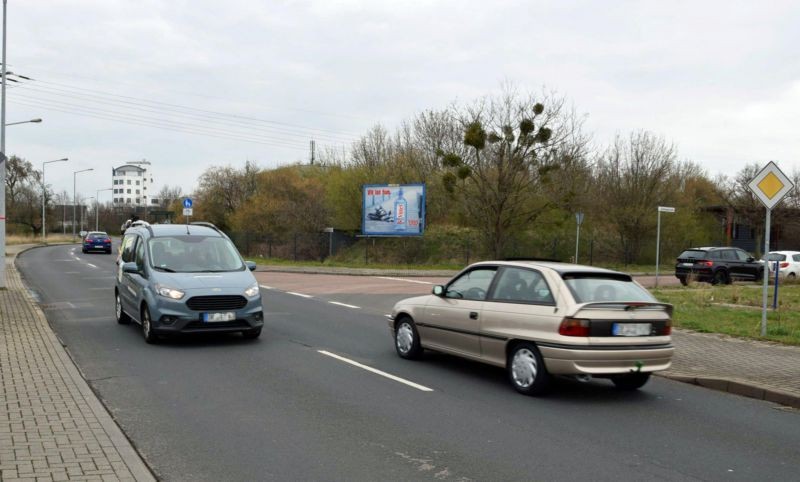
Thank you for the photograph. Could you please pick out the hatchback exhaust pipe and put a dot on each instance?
(583, 378)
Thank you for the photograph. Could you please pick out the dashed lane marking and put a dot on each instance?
(299, 294)
(376, 371)
(406, 280)
(345, 305)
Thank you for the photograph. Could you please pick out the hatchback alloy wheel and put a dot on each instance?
(406, 340)
(527, 371)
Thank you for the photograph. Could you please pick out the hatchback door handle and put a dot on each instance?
(473, 315)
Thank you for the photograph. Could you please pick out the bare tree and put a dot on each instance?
(514, 144)
(633, 177)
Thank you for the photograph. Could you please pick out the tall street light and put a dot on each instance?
(661, 209)
(32, 121)
(83, 208)
(44, 195)
(97, 208)
(3, 157)
(75, 197)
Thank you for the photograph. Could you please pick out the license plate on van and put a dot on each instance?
(630, 329)
(212, 317)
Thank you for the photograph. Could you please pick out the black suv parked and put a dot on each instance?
(718, 265)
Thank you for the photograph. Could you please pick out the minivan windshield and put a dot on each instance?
(595, 288)
(193, 254)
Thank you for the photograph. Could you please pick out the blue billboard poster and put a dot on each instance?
(393, 209)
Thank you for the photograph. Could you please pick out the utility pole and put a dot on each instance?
(313, 145)
(3, 159)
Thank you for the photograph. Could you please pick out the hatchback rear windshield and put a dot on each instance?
(693, 253)
(194, 254)
(776, 257)
(587, 289)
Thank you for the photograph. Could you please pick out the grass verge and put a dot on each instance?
(51, 238)
(736, 310)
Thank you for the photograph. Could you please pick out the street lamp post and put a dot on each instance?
(44, 195)
(32, 121)
(75, 197)
(3, 157)
(661, 209)
(97, 208)
(578, 221)
(83, 208)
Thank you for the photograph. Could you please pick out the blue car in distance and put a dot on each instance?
(97, 241)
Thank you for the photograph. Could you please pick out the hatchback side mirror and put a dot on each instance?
(251, 265)
(130, 267)
(438, 290)
(750, 259)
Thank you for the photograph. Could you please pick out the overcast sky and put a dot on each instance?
(112, 77)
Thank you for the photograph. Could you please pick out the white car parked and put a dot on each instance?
(788, 263)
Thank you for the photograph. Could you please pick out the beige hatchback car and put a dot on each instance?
(539, 319)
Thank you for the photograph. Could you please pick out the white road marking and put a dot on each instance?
(406, 280)
(90, 264)
(378, 372)
(345, 305)
(299, 294)
(267, 287)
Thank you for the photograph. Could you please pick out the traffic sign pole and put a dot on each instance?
(765, 276)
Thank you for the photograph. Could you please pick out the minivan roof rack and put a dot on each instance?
(208, 225)
(145, 224)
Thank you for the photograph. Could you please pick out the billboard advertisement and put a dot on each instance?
(393, 209)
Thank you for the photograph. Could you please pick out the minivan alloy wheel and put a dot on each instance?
(147, 328)
(122, 317)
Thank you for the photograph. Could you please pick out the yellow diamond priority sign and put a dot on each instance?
(770, 185)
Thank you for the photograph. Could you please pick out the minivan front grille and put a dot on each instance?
(216, 303)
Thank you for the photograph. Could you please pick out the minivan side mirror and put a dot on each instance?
(130, 267)
(251, 265)
(438, 290)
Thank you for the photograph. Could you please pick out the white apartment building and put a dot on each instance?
(132, 184)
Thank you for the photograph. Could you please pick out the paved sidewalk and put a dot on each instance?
(52, 426)
(757, 369)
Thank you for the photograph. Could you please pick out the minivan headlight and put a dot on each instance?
(252, 291)
(168, 292)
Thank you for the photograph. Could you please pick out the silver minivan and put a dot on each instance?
(174, 278)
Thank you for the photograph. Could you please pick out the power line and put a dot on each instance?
(142, 118)
(204, 111)
(60, 93)
(126, 120)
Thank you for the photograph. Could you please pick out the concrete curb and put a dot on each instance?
(128, 454)
(738, 387)
(357, 271)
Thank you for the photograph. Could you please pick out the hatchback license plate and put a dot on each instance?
(630, 329)
(212, 317)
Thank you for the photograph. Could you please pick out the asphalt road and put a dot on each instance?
(223, 408)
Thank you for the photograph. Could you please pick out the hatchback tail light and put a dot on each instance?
(667, 329)
(88, 240)
(574, 327)
(108, 241)
(784, 265)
